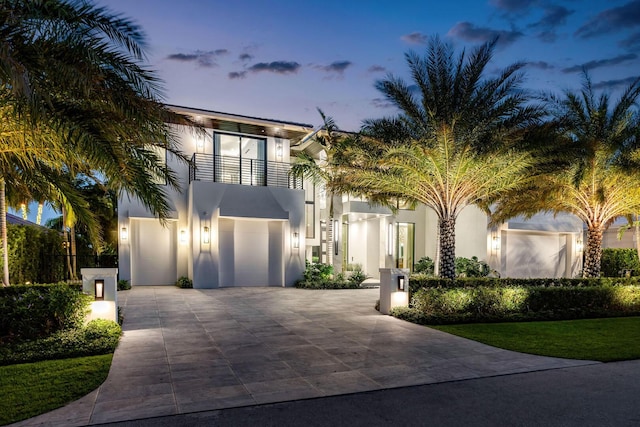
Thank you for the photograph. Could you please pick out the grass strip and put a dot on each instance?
(605, 340)
(31, 389)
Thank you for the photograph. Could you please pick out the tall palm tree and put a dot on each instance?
(76, 69)
(595, 144)
(452, 144)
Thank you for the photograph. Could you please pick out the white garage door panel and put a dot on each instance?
(251, 253)
(534, 255)
(153, 253)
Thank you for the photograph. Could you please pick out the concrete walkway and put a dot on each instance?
(185, 351)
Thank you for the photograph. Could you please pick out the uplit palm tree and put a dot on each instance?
(452, 145)
(75, 70)
(595, 144)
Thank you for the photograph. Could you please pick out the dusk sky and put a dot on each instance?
(281, 59)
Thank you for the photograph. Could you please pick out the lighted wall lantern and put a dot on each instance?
(336, 236)
(401, 283)
(99, 289)
(390, 239)
(200, 145)
(124, 234)
(206, 235)
(495, 243)
(183, 237)
(295, 240)
(279, 150)
(579, 245)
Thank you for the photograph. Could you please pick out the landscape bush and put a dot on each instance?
(124, 285)
(97, 337)
(440, 305)
(35, 254)
(616, 260)
(320, 276)
(32, 311)
(184, 282)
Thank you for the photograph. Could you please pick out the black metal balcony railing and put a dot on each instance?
(236, 170)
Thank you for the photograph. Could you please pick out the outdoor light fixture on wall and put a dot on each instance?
(401, 283)
(200, 145)
(124, 234)
(99, 289)
(279, 151)
(183, 237)
(495, 243)
(579, 245)
(206, 235)
(295, 240)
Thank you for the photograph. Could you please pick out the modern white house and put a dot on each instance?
(240, 219)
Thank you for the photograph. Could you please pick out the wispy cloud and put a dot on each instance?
(469, 32)
(554, 16)
(245, 57)
(632, 42)
(206, 59)
(336, 67)
(376, 69)
(540, 65)
(415, 38)
(381, 103)
(611, 20)
(601, 63)
(277, 67)
(615, 84)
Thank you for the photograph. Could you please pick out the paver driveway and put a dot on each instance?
(193, 350)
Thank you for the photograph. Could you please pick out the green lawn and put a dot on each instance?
(34, 388)
(606, 340)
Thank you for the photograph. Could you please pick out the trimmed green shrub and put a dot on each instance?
(425, 265)
(184, 282)
(471, 267)
(512, 303)
(97, 337)
(35, 254)
(317, 271)
(124, 285)
(616, 260)
(418, 281)
(28, 312)
(328, 284)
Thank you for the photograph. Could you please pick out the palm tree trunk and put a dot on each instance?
(593, 253)
(3, 231)
(447, 265)
(74, 264)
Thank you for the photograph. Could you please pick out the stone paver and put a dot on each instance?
(196, 350)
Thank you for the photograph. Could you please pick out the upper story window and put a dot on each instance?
(239, 159)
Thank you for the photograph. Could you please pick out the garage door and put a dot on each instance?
(534, 255)
(153, 253)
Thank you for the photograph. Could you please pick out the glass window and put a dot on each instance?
(310, 220)
(405, 245)
(239, 159)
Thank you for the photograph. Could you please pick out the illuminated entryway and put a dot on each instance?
(405, 245)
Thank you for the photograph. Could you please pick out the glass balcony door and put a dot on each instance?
(240, 159)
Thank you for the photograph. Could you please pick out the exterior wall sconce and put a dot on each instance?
(99, 289)
(336, 236)
(295, 240)
(495, 243)
(279, 151)
(401, 283)
(579, 245)
(390, 239)
(124, 234)
(206, 235)
(183, 237)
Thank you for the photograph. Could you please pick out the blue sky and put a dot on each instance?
(281, 59)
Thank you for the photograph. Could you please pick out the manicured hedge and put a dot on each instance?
(616, 260)
(511, 303)
(32, 311)
(35, 254)
(418, 281)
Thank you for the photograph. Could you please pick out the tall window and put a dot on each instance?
(240, 159)
(405, 245)
(310, 209)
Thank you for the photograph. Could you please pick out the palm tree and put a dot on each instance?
(595, 150)
(451, 145)
(74, 70)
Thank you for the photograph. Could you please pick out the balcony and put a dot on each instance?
(235, 170)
